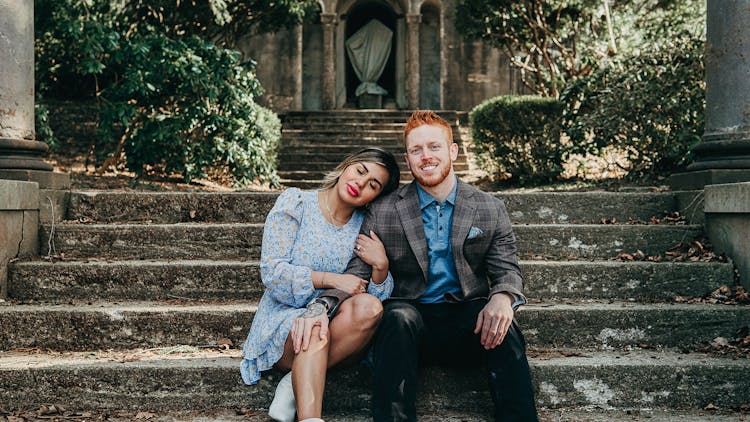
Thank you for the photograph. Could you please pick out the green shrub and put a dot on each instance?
(183, 105)
(518, 138)
(168, 100)
(648, 106)
(44, 132)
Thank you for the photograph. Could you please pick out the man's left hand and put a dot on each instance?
(494, 320)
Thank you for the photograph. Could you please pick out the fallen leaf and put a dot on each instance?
(145, 415)
(192, 214)
(711, 406)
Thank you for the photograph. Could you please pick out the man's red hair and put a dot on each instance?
(426, 117)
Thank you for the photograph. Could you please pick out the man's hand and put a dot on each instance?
(494, 320)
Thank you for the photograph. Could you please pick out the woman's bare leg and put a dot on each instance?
(349, 332)
(353, 328)
(309, 376)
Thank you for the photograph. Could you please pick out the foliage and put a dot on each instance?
(170, 98)
(650, 106)
(541, 38)
(518, 138)
(44, 132)
(185, 105)
(555, 42)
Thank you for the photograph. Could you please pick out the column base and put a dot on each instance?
(696, 180)
(46, 179)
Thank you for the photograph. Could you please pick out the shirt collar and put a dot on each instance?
(426, 199)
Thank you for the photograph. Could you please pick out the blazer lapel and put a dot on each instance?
(463, 217)
(411, 220)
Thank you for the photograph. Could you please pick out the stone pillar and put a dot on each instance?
(412, 60)
(328, 20)
(297, 67)
(20, 154)
(723, 156)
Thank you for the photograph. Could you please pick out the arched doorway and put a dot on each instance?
(360, 14)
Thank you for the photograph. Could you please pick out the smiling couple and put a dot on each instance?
(425, 273)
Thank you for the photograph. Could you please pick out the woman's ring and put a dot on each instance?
(359, 247)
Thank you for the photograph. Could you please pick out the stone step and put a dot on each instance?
(298, 163)
(242, 240)
(210, 380)
(252, 207)
(545, 281)
(239, 413)
(585, 325)
(315, 126)
(365, 116)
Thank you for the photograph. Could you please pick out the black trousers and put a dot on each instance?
(413, 334)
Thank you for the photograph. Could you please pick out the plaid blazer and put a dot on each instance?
(482, 242)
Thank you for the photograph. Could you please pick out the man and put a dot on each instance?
(452, 256)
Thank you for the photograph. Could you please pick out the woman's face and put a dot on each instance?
(362, 182)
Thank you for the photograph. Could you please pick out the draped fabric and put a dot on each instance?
(368, 51)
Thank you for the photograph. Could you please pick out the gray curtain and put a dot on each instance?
(368, 50)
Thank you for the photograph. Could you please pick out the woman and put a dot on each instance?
(308, 239)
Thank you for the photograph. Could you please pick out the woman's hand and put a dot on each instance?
(315, 315)
(346, 282)
(371, 251)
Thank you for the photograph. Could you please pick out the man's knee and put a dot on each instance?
(402, 316)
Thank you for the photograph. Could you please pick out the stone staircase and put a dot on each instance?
(142, 290)
(313, 143)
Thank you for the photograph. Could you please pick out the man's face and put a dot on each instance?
(429, 154)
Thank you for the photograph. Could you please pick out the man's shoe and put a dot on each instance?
(283, 407)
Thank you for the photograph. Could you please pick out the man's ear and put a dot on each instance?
(406, 160)
(454, 151)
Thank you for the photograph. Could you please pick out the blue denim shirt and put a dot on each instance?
(437, 218)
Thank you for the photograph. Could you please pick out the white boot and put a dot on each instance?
(283, 407)
(312, 420)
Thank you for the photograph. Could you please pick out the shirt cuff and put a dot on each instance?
(517, 300)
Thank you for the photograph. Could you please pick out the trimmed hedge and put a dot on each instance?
(517, 138)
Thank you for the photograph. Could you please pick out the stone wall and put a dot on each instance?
(727, 210)
(19, 225)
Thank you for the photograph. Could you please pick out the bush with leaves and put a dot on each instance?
(170, 99)
(518, 138)
(649, 106)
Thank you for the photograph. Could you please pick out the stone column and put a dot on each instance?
(297, 66)
(412, 60)
(723, 156)
(328, 20)
(18, 149)
(20, 154)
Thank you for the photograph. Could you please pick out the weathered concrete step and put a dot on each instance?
(451, 116)
(545, 281)
(315, 126)
(185, 382)
(294, 164)
(252, 207)
(155, 241)
(171, 207)
(154, 324)
(579, 414)
(592, 241)
(242, 240)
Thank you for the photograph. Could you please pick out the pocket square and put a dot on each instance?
(474, 232)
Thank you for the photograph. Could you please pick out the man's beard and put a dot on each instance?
(435, 179)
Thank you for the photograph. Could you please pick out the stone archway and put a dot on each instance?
(360, 14)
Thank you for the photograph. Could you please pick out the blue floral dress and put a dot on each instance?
(297, 239)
